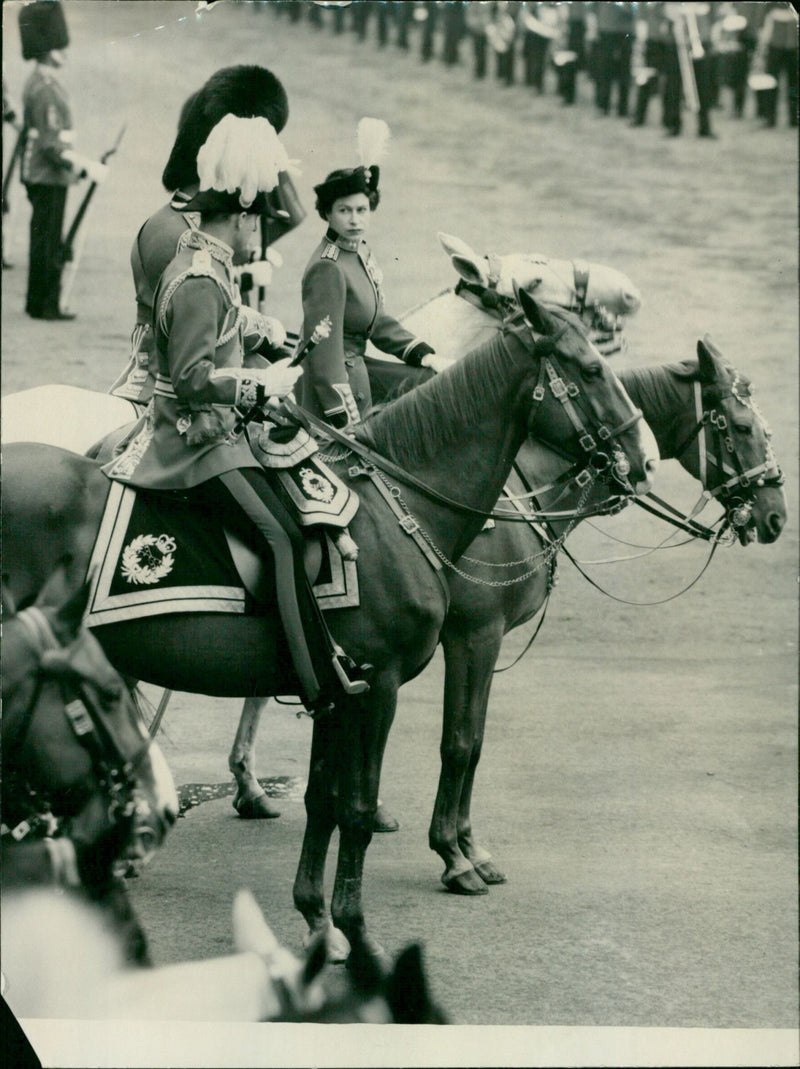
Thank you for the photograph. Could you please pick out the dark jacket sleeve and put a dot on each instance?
(195, 310)
(390, 336)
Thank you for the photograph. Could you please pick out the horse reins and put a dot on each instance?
(116, 772)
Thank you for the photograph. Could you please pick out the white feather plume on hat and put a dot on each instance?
(243, 155)
(373, 141)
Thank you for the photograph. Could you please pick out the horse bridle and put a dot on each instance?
(737, 484)
(114, 768)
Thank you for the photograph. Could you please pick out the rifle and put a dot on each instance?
(16, 154)
(70, 252)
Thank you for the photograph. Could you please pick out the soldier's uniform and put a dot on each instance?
(343, 280)
(45, 171)
(161, 238)
(198, 342)
(184, 441)
(240, 90)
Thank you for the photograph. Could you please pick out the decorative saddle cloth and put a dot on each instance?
(156, 554)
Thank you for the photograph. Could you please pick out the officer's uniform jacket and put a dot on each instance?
(159, 240)
(343, 281)
(47, 120)
(183, 437)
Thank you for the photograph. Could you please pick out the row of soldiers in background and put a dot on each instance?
(683, 52)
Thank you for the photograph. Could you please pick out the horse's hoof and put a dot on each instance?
(258, 808)
(371, 948)
(466, 883)
(488, 873)
(383, 820)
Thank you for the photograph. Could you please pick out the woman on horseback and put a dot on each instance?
(187, 440)
(343, 280)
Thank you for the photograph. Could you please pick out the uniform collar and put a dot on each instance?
(219, 250)
(348, 244)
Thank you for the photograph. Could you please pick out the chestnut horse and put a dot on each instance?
(451, 444)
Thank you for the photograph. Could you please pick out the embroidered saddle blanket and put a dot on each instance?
(157, 554)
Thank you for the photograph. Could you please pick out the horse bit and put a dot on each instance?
(116, 772)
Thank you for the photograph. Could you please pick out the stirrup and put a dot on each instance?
(341, 664)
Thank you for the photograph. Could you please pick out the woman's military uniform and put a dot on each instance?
(342, 280)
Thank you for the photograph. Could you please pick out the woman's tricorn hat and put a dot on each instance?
(244, 91)
(373, 140)
(238, 166)
(43, 28)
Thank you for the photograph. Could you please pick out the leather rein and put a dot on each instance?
(115, 770)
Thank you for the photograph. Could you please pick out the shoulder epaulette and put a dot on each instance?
(202, 264)
(330, 252)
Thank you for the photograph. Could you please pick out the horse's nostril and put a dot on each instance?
(774, 524)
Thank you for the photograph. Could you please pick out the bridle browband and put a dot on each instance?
(114, 769)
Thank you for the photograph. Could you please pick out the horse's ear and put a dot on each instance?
(707, 356)
(365, 970)
(454, 246)
(250, 930)
(316, 960)
(471, 270)
(535, 315)
(68, 619)
(407, 991)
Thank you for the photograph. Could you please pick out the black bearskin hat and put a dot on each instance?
(43, 28)
(245, 91)
(345, 183)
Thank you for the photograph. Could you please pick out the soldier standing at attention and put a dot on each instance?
(245, 91)
(49, 163)
(342, 280)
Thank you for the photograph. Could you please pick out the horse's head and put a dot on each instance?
(727, 446)
(370, 992)
(579, 396)
(601, 296)
(73, 738)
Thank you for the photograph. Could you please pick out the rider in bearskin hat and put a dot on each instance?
(49, 163)
(188, 439)
(243, 91)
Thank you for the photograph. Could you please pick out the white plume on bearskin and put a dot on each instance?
(244, 155)
(373, 141)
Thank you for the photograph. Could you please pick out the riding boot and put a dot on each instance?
(324, 671)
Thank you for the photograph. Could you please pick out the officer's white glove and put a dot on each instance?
(261, 272)
(435, 362)
(278, 379)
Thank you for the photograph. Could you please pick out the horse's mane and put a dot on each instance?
(427, 420)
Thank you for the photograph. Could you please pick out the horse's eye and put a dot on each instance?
(743, 428)
(591, 371)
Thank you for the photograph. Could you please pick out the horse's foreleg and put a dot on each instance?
(470, 657)
(366, 729)
(308, 891)
(250, 801)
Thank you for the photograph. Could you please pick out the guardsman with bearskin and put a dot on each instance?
(343, 280)
(245, 91)
(187, 440)
(49, 162)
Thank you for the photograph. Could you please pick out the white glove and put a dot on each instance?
(96, 172)
(274, 331)
(261, 272)
(84, 166)
(435, 362)
(278, 379)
